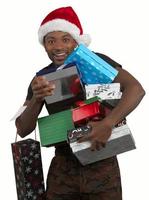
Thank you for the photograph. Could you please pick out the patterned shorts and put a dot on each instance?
(69, 180)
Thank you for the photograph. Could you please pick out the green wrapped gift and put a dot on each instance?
(53, 128)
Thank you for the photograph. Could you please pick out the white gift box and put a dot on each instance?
(120, 141)
(103, 91)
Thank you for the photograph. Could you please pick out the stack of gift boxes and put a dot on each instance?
(93, 76)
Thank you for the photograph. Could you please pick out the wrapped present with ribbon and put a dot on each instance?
(91, 67)
(120, 141)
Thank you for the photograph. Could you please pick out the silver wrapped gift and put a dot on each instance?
(62, 80)
(120, 141)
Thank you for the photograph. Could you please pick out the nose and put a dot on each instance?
(59, 45)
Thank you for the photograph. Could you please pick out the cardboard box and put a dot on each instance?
(28, 170)
(92, 68)
(120, 141)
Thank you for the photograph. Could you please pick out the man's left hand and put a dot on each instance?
(101, 131)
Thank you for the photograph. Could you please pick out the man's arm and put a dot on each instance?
(131, 97)
(26, 122)
(132, 94)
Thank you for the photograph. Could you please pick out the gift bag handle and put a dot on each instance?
(34, 132)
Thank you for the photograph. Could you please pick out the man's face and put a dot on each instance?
(58, 46)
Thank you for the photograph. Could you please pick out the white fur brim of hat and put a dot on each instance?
(65, 26)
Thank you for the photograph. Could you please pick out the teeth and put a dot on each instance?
(60, 54)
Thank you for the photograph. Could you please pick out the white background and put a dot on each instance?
(119, 28)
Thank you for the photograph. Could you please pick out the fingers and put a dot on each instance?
(41, 83)
(84, 138)
(45, 91)
(97, 145)
(42, 88)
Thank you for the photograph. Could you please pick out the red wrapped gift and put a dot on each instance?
(86, 112)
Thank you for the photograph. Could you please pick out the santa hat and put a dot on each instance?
(63, 19)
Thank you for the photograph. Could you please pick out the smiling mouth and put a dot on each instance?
(60, 56)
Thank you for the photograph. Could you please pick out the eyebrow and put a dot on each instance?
(67, 35)
(52, 37)
(49, 37)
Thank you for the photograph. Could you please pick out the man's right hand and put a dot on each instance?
(41, 88)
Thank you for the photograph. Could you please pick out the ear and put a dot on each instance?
(75, 43)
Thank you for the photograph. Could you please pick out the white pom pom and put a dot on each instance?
(85, 39)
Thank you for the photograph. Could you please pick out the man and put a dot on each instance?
(60, 32)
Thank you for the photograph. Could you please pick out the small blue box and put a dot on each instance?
(91, 67)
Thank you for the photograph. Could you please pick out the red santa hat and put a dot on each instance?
(63, 19)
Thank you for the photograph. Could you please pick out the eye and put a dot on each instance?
(50, 41)
(66, 40)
